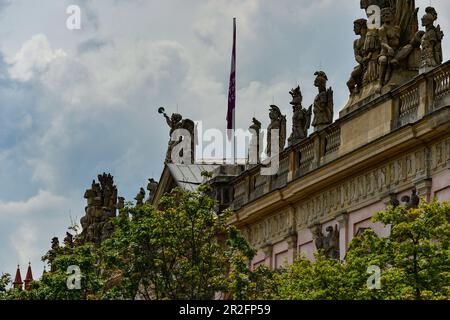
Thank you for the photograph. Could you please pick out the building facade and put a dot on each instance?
(389, 146)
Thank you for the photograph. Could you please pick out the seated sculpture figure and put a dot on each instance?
(390, 42)
(356, 79)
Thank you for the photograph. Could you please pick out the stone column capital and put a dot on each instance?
(342, 219)
(292, 240)
(268, 250)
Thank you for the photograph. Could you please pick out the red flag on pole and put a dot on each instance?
(232, 87)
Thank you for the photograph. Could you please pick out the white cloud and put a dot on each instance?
(40, 203)
(34, 57)
(26, 228)
(23, 240)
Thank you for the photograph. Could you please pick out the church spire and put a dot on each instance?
(28, 278)
(17, 284)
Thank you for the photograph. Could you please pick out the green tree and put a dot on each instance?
(61, 283)
(5, 280)
(177, 252)
(414, 262)
(322, 279)
(415, 258)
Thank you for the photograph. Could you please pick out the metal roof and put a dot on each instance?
(189, 177)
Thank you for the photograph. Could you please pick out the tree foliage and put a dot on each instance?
(172, 253)
(414, 262)
(184, 250)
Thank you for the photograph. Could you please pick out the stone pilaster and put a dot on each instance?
(268, 252)
(424, 188)
(292, 242)
(342, 219)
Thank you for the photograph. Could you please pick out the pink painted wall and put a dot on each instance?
(259, 259)
(441, 186)
(306, 245)
(362, 218)
(281, 255)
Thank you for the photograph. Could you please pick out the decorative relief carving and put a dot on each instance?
(440, 155)
(272, 229)
(363, 187)
(370, 185)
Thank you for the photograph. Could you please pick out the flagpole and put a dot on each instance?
(234, 113)
(231, 119)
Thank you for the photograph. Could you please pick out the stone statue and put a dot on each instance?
(121, 203)
(68, 241)
(140, 198)
(121, 207)
(176, 122)
(152, 186)
(372, 49)
(380, 3)
(393, 201)
(390, 54)
(413, 201)
(356, 79)
(277, 122)
(319, 238)
(52, 253)
(400, 41)
(255, 130)
(332, 249)
(301, 120)
(431, 42)
(390, 44)
(323, 103)
(328, 244)
(101, 207)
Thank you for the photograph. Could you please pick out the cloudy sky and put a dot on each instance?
(75, 103)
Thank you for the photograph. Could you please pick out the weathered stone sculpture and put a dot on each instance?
(371, 49)
(277, 122)
(254, 147)
(140, 198)
(390, 42)
(52, 253)
(176, 122)
(413, 201)
(121, 203)
(391, 54)
(380, 3)
(356, 79)
(152, 186)
(328, 244)
(121, 207)
(101, 207)
(323, 103)
(301, 120)
(68, 241)
(431, 42)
